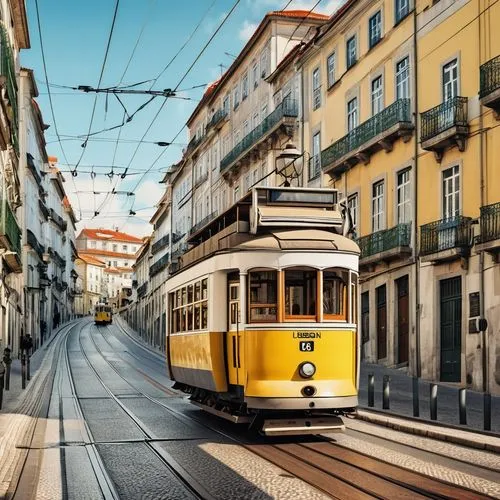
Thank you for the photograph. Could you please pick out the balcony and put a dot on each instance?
(445, 126)
(43, 208)
(177, 237)
(10, 237)
(283, 116)
(35, 244)
(446, 239)
(58, 220)
(159, 265)
(386, 245)
(141, 291)
(217, 120)
(200, 180)
(194, 143)
(489, 222)
(161, 243)
(30, 162)
(203, 222)
(379, 132)
(489, 85)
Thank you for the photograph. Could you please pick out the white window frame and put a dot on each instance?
(236, 97)
(352, 114)
(244, 86)
(226, 103)
(450, 202)
(403, 196)
(255, 74)
(450, 79)
(330, 68)
(375, 29)
(316, 88)
(403, 78)
(353, 206)
(401, 10)
(377, 95)
(351, 52)
(315, 171)
(378, 206)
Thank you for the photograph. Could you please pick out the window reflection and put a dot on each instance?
(334, 295)
(300, 292)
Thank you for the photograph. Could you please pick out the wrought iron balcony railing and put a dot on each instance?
(194, 143)
(35, 244)
(161, 243)
(217, 117)
(9, 229)
(286, 109)
(388, 239)
(177, 237)
(490, 222)
(397, 112)
(451, 113)
(30, 162)
(43, 208)
(159, 265)
(446, 234)
(58, 220)
(203, 222)
(489, 77)
(141, 291)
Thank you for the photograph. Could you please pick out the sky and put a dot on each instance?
(144, 49)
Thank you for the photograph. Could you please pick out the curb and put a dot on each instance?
(451, 434)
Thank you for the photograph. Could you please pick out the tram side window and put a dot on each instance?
(189, 307)
(334, 295)
(263, 296)
(300, 292)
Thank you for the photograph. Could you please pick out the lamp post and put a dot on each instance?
(286, 164)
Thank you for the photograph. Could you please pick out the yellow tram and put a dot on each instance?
(103, 314)
(262, 313)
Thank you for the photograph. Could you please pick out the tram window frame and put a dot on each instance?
(189, 314)
(253, 305)
(287, 313)
(341, 276)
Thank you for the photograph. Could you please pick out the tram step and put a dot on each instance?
(300, 426)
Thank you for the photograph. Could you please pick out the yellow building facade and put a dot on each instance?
(399, 106)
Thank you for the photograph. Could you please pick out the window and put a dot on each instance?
(125, 248)
(351, 52)
(330, 68)
(264, 110)
(315, 162)
(352, 114)
(246, 128)
(450, 80)
(334, 294)
(104, 245)
(255, 75)
(300, 292)
(377, 96)
(375, 29)
(403, 79)
(255, 119)
(236, 97)
(189, 307)
(115, 263)
(365, 317)
(236, 193)
(378, 207)
(451, 192)
(264, 62)
(115, 248)
(403, 197)
(93, 244)
(226, 104)
(263, 300)
(244, 87)
(402, 9)
(352, 205)
(316, 86)
(134, 249)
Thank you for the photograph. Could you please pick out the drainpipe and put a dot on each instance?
(417, 371)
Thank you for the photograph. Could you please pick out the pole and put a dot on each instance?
(386, 392)
(433, 401)
(462, 406)
(7, 361)
(371, 390)
(416, 402)
(23, 369)
(487, 411)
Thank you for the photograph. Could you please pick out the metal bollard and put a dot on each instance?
(7, 361)
(433, 401)
(23, 370)
(462, 406)
(371, 390)
(386, 392)
(487, 411)
(2, 372)
(28, 374)
(416, 402)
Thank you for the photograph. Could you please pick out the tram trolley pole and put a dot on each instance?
(7, 362)
(462, 406)
(371, 390)
(433, 401)
(386, 392)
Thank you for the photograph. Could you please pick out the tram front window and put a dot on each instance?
(300, 293)
(263, 296)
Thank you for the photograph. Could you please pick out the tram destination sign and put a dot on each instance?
(306, 335)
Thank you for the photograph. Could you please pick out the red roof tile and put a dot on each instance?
(89, 259)
(108, 253)
(109, 235)
(299, 14)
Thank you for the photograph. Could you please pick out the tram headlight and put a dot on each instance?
(307, 369)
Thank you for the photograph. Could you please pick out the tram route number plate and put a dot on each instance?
(306, 346)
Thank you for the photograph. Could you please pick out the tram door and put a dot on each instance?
(234, 336)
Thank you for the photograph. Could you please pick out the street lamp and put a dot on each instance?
(286, 163)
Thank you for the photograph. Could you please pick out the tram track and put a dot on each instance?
(336, 470)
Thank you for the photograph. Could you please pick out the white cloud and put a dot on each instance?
(247, 30)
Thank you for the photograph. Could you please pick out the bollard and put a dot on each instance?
(2, 372)
(433, 401)
(487, 411)
(385, 392)
(23, 370)
(371, 390)
(462, 406)
(28, 374)
(29, 348)
(416, 402)
(7, 361)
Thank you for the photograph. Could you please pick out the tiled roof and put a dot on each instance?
(89, 259)
(109, 235)
(299, 14)
(107, 253)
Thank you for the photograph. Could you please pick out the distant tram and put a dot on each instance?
(262, 313)
(103, 314)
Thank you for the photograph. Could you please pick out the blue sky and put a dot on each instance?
(75, 34)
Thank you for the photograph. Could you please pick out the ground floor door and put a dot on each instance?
(234, 338)
(451, 328)
(381, 322)
(403, 321)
